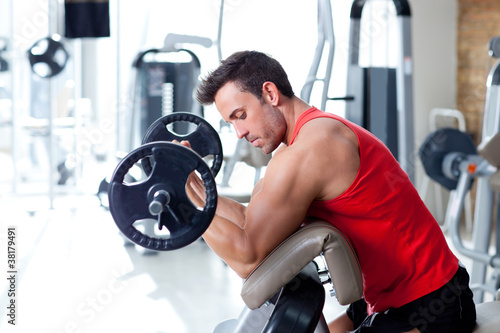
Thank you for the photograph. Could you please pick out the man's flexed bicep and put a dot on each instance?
(276, 209)
(279, 208)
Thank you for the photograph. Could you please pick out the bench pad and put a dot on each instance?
(315, 237)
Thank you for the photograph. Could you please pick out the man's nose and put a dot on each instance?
(241, 132)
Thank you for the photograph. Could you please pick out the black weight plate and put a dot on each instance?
(48, 57)
(129, 202)
(437, 145)
(204, 139)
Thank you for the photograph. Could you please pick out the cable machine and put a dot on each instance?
(380, 99)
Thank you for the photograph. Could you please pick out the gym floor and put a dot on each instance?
(74, 273)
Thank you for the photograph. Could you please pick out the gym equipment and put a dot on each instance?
(86, 19)
(204, 139)
(163, 196)
(164, 79)
(494, 49)
(325, 36)
(439, 118)
(164, 83)
(285, 292)
(280, 293)
(4, 65)
(48, 56)
(381, 99)
(438, 163)
(456, 165)
(253, 157)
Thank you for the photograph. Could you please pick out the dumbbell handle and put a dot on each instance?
(160, 200)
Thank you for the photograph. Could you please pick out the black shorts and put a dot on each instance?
(448, 309)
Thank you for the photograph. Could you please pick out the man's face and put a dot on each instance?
(259, 123)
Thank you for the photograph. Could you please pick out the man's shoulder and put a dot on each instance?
(323, 158)
(319, 137)
(318, 130)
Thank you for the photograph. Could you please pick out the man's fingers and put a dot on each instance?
(185, 143)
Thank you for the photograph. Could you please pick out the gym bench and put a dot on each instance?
(285, 294)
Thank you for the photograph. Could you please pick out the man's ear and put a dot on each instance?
(270, 93)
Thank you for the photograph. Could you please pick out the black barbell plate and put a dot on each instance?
(129, 203)
(204, 139)
(53, 55)
(437, 145)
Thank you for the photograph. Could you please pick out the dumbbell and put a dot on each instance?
(162, 195)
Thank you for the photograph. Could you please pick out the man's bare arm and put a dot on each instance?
(308, 170)
(276, 210)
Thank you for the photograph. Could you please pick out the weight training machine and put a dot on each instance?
(285, 292)
(380, 99)
(450, 157)
(164, 82)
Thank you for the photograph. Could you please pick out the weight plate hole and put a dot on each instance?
(181, 128)
(149, 227)
(189, 190)
(134, 175)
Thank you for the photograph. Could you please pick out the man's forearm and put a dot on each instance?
(230, 242)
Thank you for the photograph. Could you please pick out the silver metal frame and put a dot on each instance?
(257, 320)
(325, 35)
(404, 82)
(484, 204)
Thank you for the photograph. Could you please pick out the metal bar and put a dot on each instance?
(355, 109)
(326, 10)
(52, 104)
(13, 97)
(305, 94)
(497, 236)
(481, 231)
(404, 85)
(482, 287)
(454, 215)
(219, 30)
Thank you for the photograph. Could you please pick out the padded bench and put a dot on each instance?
(315, 237)
(318, 237)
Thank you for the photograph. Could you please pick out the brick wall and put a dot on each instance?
(478, 21)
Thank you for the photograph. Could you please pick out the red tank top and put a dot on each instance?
(401, 249)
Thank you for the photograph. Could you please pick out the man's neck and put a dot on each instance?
(292, 110)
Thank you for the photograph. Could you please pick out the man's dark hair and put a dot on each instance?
(249, 70)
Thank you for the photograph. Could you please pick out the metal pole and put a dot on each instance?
(326, 9)
(219, 30)
(52, 104)
(118, 78)
(13, 97)
(404, 74)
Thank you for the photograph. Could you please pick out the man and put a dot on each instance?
(327, 167)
